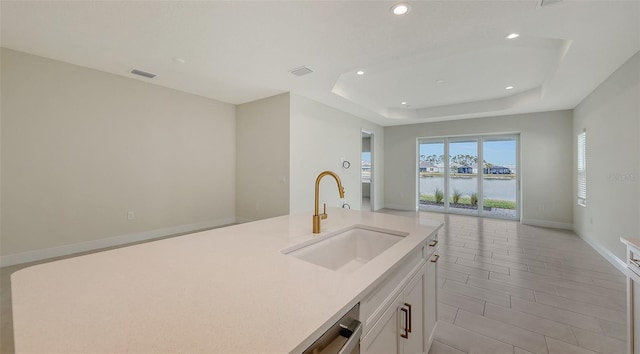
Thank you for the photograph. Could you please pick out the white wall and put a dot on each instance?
(546, 160)
(81, 148)
(262, 177)
(611, 116)
(320, 137)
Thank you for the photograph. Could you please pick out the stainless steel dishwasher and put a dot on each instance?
(342, 338)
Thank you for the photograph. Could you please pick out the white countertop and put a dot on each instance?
(631, 241)
(228, 290)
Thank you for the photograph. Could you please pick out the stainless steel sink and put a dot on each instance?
(349, 249)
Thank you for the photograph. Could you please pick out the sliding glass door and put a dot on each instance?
(463, 176)
(470, 175)
(500, 178)
(431, 176)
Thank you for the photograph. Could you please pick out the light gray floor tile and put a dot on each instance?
(598, 264)
(614, 330)
(533, 284)
(548, 260)
(574, 276)
(582, 307)
(460, 301)
(501, 331)
(464, 269)
(502, 262)
(487, 247)
(612, 302)
(452, 275)
(484, 266)
(530, 322)
(599, 343)
(606, 273)
(520, 260)
(446, 313)
(589, 288)
(502, 288)
(559, 347)
(469, 341)
(611, 284)
(556, 314)
(441, 348)
(478, 293)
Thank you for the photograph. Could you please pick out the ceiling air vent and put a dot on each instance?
(542, 3)
(142, 73)
(303, 70)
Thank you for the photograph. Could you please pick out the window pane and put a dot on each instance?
(463, 176)
(499, 179)
(431, 176)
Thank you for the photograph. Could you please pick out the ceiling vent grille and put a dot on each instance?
(142, 73)
(301, 71)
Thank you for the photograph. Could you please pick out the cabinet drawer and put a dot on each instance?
(377, 300)
(431, 245)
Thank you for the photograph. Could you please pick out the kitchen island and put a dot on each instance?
(227, 290)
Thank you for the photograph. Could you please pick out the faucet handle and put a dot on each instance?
(324, 213)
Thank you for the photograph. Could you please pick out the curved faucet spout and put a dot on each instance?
(317, 216)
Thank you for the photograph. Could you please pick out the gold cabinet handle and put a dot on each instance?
(435, 258)
(433, 243)
(406, 323)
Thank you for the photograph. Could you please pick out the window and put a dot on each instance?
(582, 168)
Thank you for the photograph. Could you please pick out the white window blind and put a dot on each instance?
(582, 168)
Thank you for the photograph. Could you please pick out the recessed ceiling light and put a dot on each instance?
(404, 103)
(508, 88)
(513, 36)
(400, 9)
(360, 72)
(439, 81)
(179, 60)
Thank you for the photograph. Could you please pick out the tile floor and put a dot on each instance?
(504, 287)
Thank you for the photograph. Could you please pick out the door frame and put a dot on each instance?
(371, 137)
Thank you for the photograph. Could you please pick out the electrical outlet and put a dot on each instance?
(131, 215)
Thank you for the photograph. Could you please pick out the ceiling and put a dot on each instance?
(445, 59)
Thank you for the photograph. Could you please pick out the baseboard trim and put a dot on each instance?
(608, 255)
(399, 207)
(243, 220)
(37, 255)
(549, 224)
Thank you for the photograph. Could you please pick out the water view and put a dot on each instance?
(501, 189)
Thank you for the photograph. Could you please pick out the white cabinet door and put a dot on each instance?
(412, 315)
(431, 294)
(401, 328)
(384, 336)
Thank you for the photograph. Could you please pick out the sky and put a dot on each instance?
(501, 152)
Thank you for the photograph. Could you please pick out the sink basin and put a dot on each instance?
(349, 249)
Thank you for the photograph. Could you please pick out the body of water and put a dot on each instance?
(501, 189)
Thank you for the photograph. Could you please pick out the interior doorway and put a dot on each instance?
(366, 171)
